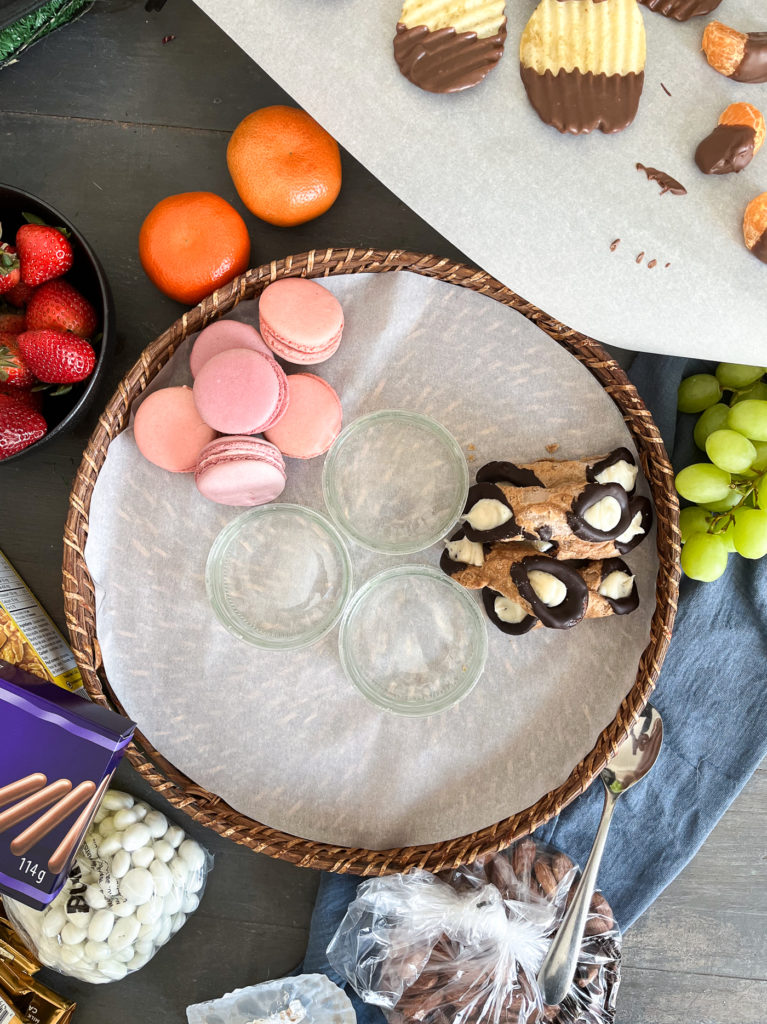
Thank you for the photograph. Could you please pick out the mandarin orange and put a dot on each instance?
(285, 167)
(192, 243)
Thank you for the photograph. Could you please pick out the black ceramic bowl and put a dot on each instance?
(87, 275)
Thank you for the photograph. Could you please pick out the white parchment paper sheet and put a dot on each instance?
(283, 736)
(534, 208)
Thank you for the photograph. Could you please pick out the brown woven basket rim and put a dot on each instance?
(209, 809)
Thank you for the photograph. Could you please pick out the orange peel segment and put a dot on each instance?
(724, 47)
(755, 220)
(746, 114)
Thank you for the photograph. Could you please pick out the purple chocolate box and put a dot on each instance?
(57, 755)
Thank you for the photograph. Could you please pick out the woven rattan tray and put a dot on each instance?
(206, 807)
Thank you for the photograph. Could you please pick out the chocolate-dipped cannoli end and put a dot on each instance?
(556, 593)
(460, 552)
(488, 516)
(640, 521)
(507, 473)
(600, 512)
(618, 586)
(509, 616)
(619, 467)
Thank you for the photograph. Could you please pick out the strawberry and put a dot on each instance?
(57, 306)
(20, 427)
(44, 252)
(9, 268)
(32, 399)
(55, 357)
(12, 321)
(13, 369)
(20, 294)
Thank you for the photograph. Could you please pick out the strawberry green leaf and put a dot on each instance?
(62, 389)
(32, 218)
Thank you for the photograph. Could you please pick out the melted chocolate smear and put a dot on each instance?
(565, 615)
(666, 182)
(589, 496)
(727, 150)
(502, 532)
(620, 605)
(637, 504)
(577, 102)
(446, 60)
(616, 455)
(512, 628)
(615, 245)
(681, 10)
(760, 249)
(753, 67)
(507, 473)
(663, 87)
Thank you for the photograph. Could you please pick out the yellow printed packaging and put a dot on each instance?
(28, 638)
(7, 1013)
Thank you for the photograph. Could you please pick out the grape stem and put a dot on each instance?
(722, 521)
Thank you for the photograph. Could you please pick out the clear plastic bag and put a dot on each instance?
(135, 880)
(465, 947)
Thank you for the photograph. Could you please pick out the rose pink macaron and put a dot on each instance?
(300, 320)
(241, 392)
(313, 420)
(240, 470)
(169, 430)
(221, 336)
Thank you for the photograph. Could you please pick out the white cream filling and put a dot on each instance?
(548, 588)
(604, 514)
(633, 528)
(617, 585)
(467, 551)
(622, 473)
(508, 610)
(487, 514)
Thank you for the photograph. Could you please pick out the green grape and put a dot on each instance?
(726, 532)
(750, 532)
(703, 482)
(704, 557)
(760, 462)
(758, 390)
(693, 520)
(760, 494)
(730, 450)
(733, 376)
(749, 418)
(698, 392)
(711, 419)
(733, 498)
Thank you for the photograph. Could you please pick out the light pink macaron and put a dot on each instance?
(240, 470)
(169, 430)
(313, 420)
(221, 336)
(241, 392)
(300, 320)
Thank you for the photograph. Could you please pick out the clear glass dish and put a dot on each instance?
(279, 577)
(413, 641)
(395, 481)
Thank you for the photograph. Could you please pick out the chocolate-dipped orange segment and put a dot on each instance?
(755, 227)
(741, 56)
(732, 144)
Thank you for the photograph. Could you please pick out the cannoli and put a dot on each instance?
(449, 45)
(618, 467)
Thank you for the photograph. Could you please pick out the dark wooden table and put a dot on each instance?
(102, 119)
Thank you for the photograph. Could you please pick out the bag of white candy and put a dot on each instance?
(465, 947)
(134, 881)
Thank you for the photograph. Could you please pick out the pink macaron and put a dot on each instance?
(169, 430)
(240, 391)
(240, 470)
(221, 336)
(313, 420)
(300, 320)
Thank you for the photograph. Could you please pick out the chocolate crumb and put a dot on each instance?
(167, 39)
(668, 264)
(663, 87)
(640, 257)
(551, 448)
(471, 447)
(652, 263)
(615, 245)
(471, 458)
(666, 182)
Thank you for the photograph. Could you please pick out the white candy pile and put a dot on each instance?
(135, 880)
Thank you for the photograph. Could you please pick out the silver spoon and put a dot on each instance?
(632, 761)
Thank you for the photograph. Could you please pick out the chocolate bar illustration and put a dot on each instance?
(21, 788)
(53, 817)
(60, 856)
(32, 804)
(33, 795)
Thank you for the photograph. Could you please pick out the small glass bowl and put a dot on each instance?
(279, 577)
(395, 482)
(413, 641)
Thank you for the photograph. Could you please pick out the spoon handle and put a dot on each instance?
(558, 970)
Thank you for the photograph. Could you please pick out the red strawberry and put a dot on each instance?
(32, 399)
(12, 322)
(13, 368)
(20, 427)
(20, 294)
(57, 306)
(44, 252)
(55, 357)
(9, 268)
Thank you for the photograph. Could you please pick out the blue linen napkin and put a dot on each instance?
(713, 699)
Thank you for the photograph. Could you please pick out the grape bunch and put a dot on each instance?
(730, 491)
